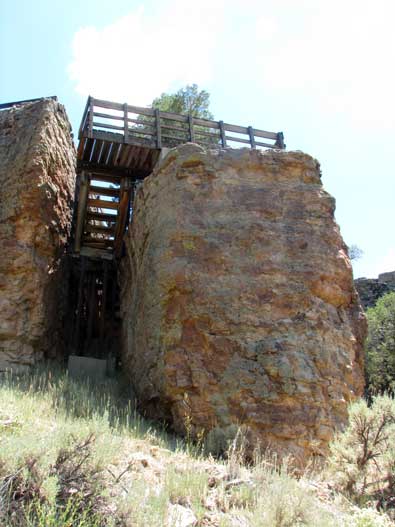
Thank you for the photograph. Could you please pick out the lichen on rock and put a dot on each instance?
(37, 177)
(238, 301)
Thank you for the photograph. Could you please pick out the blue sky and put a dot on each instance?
(320, 71)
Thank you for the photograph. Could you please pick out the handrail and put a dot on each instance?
(160, 129)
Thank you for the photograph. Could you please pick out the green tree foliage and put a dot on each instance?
(380, 345)
(355, 252)
(188, 100)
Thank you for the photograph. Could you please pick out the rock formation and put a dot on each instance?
(36, 187)
(371, 289)
(238, 301)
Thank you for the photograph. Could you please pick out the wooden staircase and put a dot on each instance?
(122, 148)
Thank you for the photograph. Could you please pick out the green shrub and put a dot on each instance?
(380, 346)
(363, 456)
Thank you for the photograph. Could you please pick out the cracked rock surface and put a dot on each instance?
(37, 175)
(238, 301)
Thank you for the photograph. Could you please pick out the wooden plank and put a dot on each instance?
(222, 133)
(100, 216)
(88, 149)
(238, 139)
(151, 124)
(264, 134)
(207, 134)
(101, 204)
(90, 117)
(83, 121)
(108, 116)
(108, 136)
(104, 191)
(81, 210)
(176, 138)
(206, 123)
(81, 145)
(144, 155)
(112, 153)
(95, 151)
(266, 145)
(92, 252)
(99, 229)
(124, 154)
(104, 152)
(107, 104)
(252, 138)
(142, 131)
(126, 188)
(79, 302)
(170, 127)
(103, 305)
(107, 242)
(105, 125)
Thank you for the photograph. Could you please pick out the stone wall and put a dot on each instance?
(371, 289)
(238, 301)
(37, 176)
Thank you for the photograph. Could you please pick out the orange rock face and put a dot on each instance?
(36, 187)
(238, 301)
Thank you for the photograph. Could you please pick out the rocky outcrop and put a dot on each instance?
(238, 302)
(36, 187)
(371, 289)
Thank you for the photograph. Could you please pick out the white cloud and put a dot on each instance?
(141, 55)
(334, 57)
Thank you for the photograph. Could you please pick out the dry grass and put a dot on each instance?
(78, 454)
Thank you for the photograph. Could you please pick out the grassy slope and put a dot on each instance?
(79, 455)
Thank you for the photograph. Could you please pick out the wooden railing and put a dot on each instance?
(158, 129)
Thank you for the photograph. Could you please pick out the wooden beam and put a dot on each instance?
(104, 191)
(126, 189)
(101, 204)
(99, 216)
(81, 211)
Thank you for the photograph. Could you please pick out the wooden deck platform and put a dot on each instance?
(120, 144)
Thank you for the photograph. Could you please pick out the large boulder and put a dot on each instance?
(37, 176)
(238, 301)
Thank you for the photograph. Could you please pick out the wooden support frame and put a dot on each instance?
(81, 210)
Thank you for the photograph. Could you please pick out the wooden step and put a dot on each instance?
(101, 204)
(99, 229)
(105, 242)
(107, 178)
(104, 191)
(101, 216)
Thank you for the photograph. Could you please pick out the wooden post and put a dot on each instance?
(81, 212)
(252, 138)
(78, 314)
(191, 132)
(103, 303)
(90, 121)
(222, 132)
(158, 130)
(280, 141)
(125, 123)
(92, 304)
